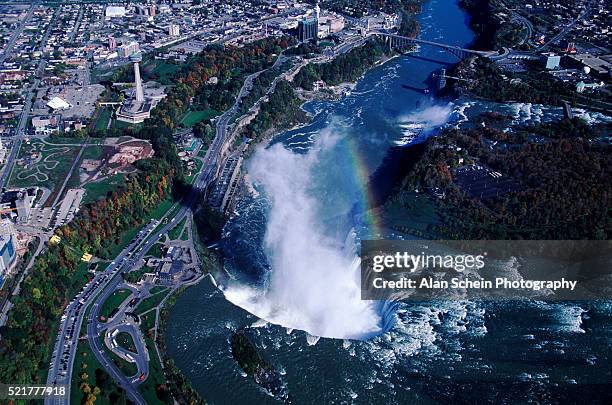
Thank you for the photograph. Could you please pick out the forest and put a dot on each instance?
(484, 79)
(347, 67)
(282, 110)
(565, 192)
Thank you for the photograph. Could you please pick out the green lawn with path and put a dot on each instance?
(147, 322)
(149, 302)
(86, 362)
(114, 301)
(193, 117)
(175, 232)
(128, 369)
(49, 170)
(100, 189)
(104, 116)
(157, 289)
(155, 378)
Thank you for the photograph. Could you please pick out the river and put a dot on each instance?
(290, 258)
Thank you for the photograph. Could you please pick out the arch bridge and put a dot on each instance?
(399, 41)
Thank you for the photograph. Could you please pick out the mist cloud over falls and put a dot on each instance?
(314, 280)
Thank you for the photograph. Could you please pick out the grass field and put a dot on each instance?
(157, 289)
(86, 362)
(191, 179)
(150, 302)
(100, 189)
(48, 171)
(155, 378)
(156, 250)
(147, 321)
(160, 70)
(104, 117)
(127, 368)
(67, 140)
(125, 340)
(193, 117)
(113, 302)
(175, 232)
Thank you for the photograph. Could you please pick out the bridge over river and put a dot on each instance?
(399, 41)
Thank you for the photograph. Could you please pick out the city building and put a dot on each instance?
(173, 30)
(170, 271)
(115, 11)
(308, 29)
(550, 60)
(126, 50)
(57, 103)
(45, 125)
(600, 67)
(8, 247)
(17, 203)
(112, 43)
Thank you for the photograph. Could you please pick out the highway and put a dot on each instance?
(62, 359)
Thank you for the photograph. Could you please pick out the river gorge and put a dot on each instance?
(292, 277)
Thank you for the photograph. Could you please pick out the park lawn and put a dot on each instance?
(114, 301)
(100, 189)
(104, 117)
(122, 124)
(185, 234)
(191, 179)
(156, 250)
(70, 140)
(85, 361)
(90, 152)
(165, 70)
(147, 322)
(150, 302)
(157, 289)
(51, 173)
(193, 117)
(155, 378)
(125, 340)
(175, 232)
(93, 152)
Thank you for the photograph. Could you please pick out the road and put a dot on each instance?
(8, 49)
(62, 360)
(23, 119)
(567, 28)
(75, 163)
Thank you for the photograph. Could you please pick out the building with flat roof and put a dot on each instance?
(115, 11)
(550, 60)
(8, 248)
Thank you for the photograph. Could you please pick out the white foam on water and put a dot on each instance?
(313, 283)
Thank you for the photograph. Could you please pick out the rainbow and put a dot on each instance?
(370, 215)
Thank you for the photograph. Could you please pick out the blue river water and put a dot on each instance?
(308, 207)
